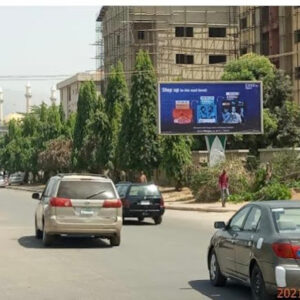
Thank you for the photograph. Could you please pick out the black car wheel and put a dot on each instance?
(141, 219)
(157, 220)
(38, 233)
(215, 275)
(258, 287)
(115, 240)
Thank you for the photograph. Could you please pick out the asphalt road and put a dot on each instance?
(161, 262)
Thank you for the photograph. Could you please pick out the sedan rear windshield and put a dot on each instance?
(287, 219)
(86, 190)
(144, 190)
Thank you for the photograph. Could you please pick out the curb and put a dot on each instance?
(24, 189)
(201, 209)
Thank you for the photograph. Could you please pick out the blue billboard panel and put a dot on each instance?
(210, 107)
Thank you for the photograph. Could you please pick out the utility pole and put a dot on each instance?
(28, 96)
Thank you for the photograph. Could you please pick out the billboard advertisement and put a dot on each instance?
(224, 107)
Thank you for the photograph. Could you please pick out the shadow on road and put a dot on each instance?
(137, 223)
(64, 242)
(231, 291)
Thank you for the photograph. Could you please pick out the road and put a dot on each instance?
(153, 262)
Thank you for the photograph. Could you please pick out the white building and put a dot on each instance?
(69, 89)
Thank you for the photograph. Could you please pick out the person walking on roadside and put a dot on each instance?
(223, 185)
(143, 177)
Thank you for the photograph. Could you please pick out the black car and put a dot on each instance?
(141, 200)
(259, 245)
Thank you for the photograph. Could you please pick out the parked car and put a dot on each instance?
(260, 244)
(141, 200)
(3, 181)
(16, 178)
(76, 204)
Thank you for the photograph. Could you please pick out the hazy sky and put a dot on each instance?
(43, 41)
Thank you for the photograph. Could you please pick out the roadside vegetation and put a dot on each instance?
(117, 132)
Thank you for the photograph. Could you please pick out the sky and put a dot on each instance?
(43, 41)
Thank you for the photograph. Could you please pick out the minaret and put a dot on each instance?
(53, 95)
(28, 96)
(1, 106)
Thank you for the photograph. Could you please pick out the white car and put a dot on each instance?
(75, 204)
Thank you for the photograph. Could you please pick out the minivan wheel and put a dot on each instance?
(38, 233)
(115, 240)
(257, 283)
(215, 275)
(47, 239)
(157, 220)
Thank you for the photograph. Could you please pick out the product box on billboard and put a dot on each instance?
(207, 110)
(182, 113)
(233, 109)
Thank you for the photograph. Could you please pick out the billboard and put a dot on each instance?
(224, 107)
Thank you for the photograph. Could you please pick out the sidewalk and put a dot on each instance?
(173, 200)
(206, 207)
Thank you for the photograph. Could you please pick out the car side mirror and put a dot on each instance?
(219, 225)
(36, 196)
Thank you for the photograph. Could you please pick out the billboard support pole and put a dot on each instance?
(216, 145)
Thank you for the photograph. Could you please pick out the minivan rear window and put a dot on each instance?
(93, 190)
(144, 190)
(287, 219)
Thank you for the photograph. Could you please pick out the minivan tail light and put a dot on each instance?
(60, 202)
(112, 203)
(286, 250)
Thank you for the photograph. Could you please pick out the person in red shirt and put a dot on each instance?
(223, 185)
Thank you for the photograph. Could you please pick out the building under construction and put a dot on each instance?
(194, 42)
(186, 43)
(273, 31)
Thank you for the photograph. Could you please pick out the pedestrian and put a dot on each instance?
(143, 177)
(223, 185)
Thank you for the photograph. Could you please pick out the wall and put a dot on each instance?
(266, 155)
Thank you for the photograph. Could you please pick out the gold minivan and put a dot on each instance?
(76, 204)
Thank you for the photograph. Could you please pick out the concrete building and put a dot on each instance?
(184, 42)
(69, 89)
(273, 31)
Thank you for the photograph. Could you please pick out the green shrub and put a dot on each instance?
(273, 191)
(246, 196)
(204, 181)
(260, 178)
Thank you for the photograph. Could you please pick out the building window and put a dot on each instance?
(184, 59)
(253, 19)
(297, 36)
(118, 40)
(217, 32)
(243, 51)
(297, 73)
(217, 59)
(141, 35)
(184, 31)
(243, 23)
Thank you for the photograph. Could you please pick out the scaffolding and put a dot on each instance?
(270, 31)
(126, 29)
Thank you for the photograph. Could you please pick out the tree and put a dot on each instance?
(143, 144)
(116, 99)
(93, 143)
(57, 156)
(280, 121)
(251, 67)
(86, 105)
(176, 158)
